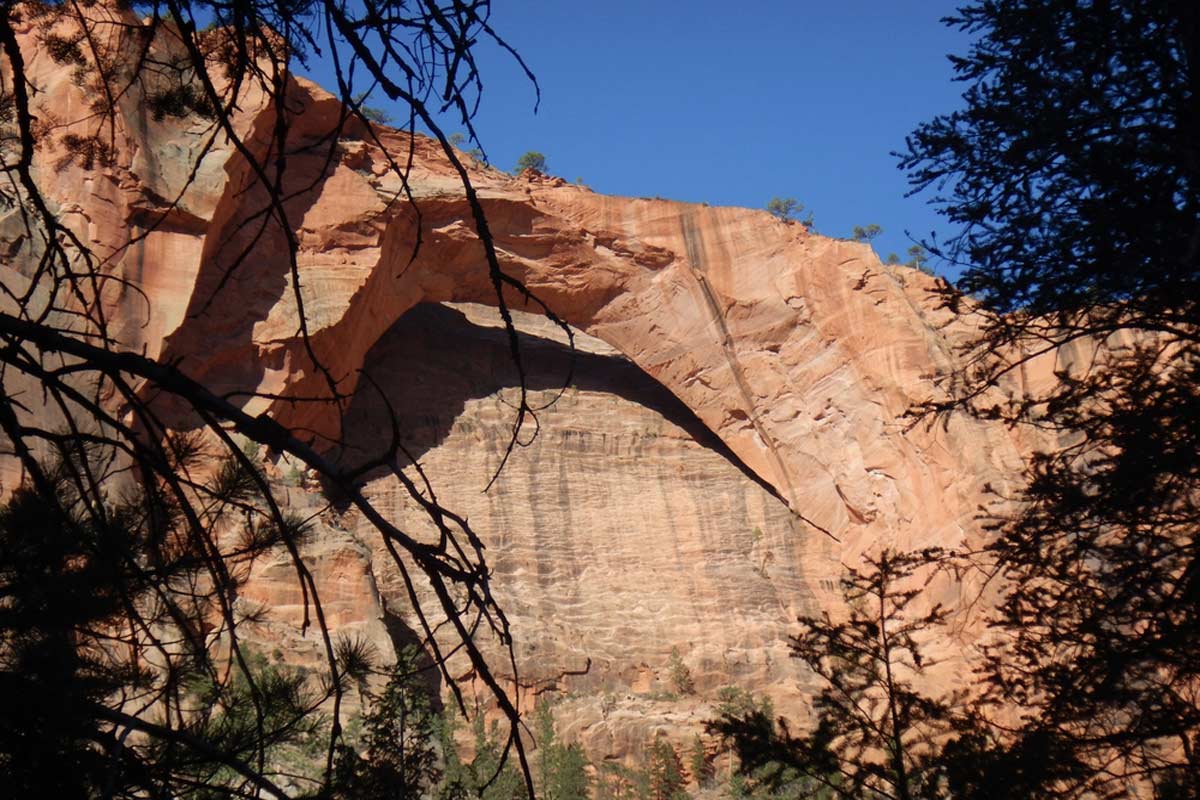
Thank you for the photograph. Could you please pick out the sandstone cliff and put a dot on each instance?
(733, 432)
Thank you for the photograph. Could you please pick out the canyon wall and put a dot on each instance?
(734, 430)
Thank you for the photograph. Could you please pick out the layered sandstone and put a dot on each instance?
(734, 432)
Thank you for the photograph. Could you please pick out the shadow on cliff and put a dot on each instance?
(433, 360)
(404, 637)
(245, 272)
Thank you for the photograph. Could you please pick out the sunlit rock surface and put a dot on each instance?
(733, 432)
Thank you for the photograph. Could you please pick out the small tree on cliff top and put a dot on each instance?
(918, 258)
(866, 234)
(531, 160)
(788, 209)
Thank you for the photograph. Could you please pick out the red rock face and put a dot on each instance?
(734, 432)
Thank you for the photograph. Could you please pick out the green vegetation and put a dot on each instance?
(680, 675)
(867, 233)
(788, 210)
(1072, 171)
(918, 258)
(784, 208)
(124, 550)
(249, 449)
(409, 751)
(274, 703)
(733, 701)
(372, 114)
(875, 735)
(399, 737)
(531, 160)
(562, 768)
(377, 115)
(293, 476)
(73, 565)
(661, 778)
(618, 782)
(760, 764)
(700, 763)
(461, 140)
(490, 775)
(665, 772)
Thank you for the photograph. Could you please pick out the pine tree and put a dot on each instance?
(104, 601)
(569, 778)
(457, 782)
(618, 782)
(867, 233)
(531, 160)
(787, 209)
(680, 675)
(401, 760)
(665, 772)
(562, 768)
(875, 734)
(490, 780)
(1072, 172)
(699, 763)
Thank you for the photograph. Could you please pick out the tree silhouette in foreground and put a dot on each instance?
(874, 733)
(149, 530)
(96, 600)
(1073, 172)
(400, 758)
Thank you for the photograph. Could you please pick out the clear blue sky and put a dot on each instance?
(728, 103)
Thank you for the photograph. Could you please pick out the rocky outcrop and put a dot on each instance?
(733, 433)
(800, 352)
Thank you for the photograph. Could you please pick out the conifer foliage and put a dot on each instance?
(400, 758)
(665, 772)
(875, 734)
(108, 609)
(1073, 170)
(562, 768)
